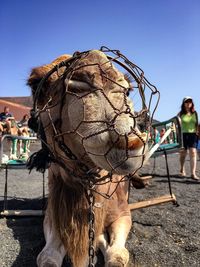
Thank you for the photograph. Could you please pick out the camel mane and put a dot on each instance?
(69, 208)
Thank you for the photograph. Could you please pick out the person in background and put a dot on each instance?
(23, 125)
(189, 126)
(156, 136)
(23, 130)
(6, 120)
(162, 132)
(198, 145)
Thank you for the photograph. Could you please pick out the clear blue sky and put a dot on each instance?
(161, 36)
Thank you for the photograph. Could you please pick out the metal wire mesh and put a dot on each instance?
(139, 88)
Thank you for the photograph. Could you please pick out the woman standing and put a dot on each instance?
(189, 126)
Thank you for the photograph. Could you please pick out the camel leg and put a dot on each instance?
(53, 253)
(102, 243)
(117, 255)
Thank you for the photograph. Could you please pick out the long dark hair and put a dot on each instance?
(183, 110)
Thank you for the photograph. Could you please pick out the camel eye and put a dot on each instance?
(128, 90)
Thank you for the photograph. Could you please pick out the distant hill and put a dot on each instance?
(21, 100)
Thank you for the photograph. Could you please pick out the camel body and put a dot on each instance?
(89, 126)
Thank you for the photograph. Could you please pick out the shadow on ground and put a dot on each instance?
(28, 231)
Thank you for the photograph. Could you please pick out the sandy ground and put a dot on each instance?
(164, 235)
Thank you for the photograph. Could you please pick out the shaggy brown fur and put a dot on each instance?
(69, 208)
(67, 203)
(38, 73)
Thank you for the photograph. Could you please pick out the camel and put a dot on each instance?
(87, 125)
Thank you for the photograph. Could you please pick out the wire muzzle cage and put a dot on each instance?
(143, 94)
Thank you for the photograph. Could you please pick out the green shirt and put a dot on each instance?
(189, 123)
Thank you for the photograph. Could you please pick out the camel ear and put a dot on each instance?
(38, 73)
(35, 78)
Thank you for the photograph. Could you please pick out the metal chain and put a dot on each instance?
(91, 231)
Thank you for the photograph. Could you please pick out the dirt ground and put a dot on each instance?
(161, 236)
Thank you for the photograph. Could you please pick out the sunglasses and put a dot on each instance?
(188, 101)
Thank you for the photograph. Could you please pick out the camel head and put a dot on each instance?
(84, 106)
